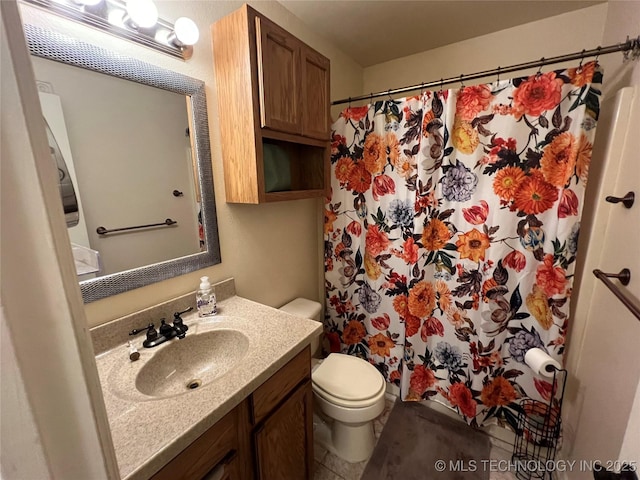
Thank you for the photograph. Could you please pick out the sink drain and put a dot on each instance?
(193, 384)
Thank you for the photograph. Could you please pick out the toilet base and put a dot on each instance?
(352, 442)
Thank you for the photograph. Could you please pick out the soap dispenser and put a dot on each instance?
(206, 299)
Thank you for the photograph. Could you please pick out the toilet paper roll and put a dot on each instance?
(540, 362)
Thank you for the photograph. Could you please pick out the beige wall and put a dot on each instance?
(273, 251)
(631, 444)
(515, 45)
(623, 18)
(22, 455)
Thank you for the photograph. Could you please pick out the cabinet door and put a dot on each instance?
(230, 471)
(315, 94)
(215, 447)
(284, 443)
(279, 77)
(227, 469)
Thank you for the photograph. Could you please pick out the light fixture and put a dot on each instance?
(135, 20)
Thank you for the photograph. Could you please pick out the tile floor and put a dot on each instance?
(331, 467)
(501, 470)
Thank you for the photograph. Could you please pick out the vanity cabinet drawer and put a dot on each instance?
(218, 445)
(271, 393)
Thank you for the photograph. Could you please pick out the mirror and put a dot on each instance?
(127, 161)
(134, 141)
(65, 182)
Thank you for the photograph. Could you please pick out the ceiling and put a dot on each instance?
(372, 32)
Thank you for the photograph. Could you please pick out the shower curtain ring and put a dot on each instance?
(635, 49)
(441, 85)
(498, 75)
(461, 82)
(632, 51)
(349, 104)
(581, 59)
(598, 54)
(540, 68)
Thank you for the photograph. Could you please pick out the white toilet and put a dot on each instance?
(348, 394)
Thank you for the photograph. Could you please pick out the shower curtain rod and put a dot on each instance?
(633, 45)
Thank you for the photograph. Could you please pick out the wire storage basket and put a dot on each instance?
(539, 433)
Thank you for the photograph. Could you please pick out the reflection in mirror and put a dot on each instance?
(134, 142)
(127, 159)
(65, 184)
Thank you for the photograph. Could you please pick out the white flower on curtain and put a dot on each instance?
(451, 235)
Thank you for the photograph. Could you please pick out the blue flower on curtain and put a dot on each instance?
(458, 183)
(451, 235)
(522, 341)
(449, 356)
(401, 213)
(369, 299)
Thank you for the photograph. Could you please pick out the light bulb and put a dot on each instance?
(143, 13)
(87, 3)
(186, 31)
(116, 17)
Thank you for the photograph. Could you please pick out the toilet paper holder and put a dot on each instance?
(539, 430)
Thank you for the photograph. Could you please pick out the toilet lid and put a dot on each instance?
(347, 377)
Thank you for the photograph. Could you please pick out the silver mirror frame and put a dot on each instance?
(62, 48)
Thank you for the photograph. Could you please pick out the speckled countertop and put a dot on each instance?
(149, 431)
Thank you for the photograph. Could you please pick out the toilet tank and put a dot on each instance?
(305, 308)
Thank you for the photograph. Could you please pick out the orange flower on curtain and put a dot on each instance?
(451, 235)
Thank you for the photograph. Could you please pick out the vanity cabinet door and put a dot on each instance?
(217, 447)
(284, 442)
(266, 398)
(279, 77)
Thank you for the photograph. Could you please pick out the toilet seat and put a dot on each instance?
(354, 404)
(348, 381)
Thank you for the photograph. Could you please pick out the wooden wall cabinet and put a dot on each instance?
(272, 89)
(268, 436)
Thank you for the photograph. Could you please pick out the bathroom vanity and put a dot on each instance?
(273, 426)
(251, 416)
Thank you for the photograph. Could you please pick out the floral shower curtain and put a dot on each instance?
(451, 234)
